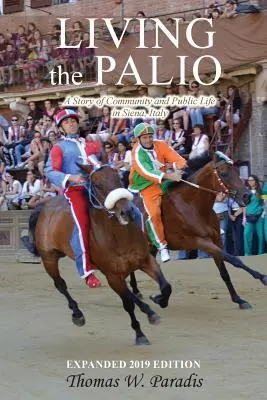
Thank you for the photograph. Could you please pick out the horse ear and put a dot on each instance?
(88, 168)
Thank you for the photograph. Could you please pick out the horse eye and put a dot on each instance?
(224, 174)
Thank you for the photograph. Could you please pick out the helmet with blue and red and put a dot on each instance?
(64, 114)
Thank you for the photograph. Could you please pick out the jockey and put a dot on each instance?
(63, 171)
(149, 159)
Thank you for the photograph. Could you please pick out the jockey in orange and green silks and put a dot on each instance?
(149, 159)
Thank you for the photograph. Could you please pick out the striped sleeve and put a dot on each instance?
(145, 168)
(171, 156)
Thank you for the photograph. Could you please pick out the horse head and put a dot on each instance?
(229, 181)
(106, 192)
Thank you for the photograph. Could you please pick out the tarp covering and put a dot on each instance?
(238, 41)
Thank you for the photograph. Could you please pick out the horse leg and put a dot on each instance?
(51, 267)
(133, 284)
(153, 317)
(236, 262)
(152, 269)
(219, 257)
(243, 304)
(118, 284)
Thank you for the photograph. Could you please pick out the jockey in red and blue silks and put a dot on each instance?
(63, 171)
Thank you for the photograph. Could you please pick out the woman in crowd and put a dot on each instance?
(253, 221)
(149, 25)
(30, 194)
(200, 142)
(11, 193)
(162, 133)
(233, 105)
(105, 123)
(35, 112)
(108, 152)
(49, 110)
(179, 138)
(123, 161)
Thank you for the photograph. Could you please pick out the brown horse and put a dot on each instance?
(190, 222)
(117, 246)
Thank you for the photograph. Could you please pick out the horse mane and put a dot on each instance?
(196, 163)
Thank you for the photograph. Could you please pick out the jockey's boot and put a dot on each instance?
(92, 281)
(164, 255)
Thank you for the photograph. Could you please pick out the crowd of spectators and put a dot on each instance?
(25, 145)
(28, 55)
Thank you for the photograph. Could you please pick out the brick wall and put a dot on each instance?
(253, 143)
(99, 9)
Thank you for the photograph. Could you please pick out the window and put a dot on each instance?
(11, 6)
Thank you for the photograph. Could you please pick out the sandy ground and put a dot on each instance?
(201, 323)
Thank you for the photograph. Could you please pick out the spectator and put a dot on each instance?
(49, 111)
(253, 222)
(195, 113)
(232, 110)
(149, 25)
(236, 225)
(11, 195)
(264, 197)
(45, 149)
(179, 137)
(229, 9)
(9, 62)
(123, 162)
(221, 209)
(23, 148)
(107, 155)
(182, 112)
(15, 136)
(105, 123)
(35, 111)
(162, 133)
(30, 191)
(200, 142)
(216, 14)
(47, 190)
(30, 31)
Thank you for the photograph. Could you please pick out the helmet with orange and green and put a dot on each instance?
(143, 129)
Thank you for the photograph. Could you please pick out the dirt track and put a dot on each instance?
(201, 323)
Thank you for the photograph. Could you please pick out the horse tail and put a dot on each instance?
(29, 241)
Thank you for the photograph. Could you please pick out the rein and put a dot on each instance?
(224, 190)
(94, 201)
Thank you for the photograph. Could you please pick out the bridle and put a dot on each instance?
(94, 200)
(225, 189)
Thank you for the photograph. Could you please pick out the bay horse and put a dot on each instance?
(117, 245)
(190, 222)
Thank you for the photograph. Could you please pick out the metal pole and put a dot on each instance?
(122, 14)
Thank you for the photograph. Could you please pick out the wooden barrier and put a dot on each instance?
(14, 225)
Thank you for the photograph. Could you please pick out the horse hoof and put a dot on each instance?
(78, 321)
(264, 280)
(142, 340)
(245, 306)
(139, 295)
(154, 319)
(160, 300)
(156, 298)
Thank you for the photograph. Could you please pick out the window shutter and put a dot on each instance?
(13, 6)
(40, 3)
